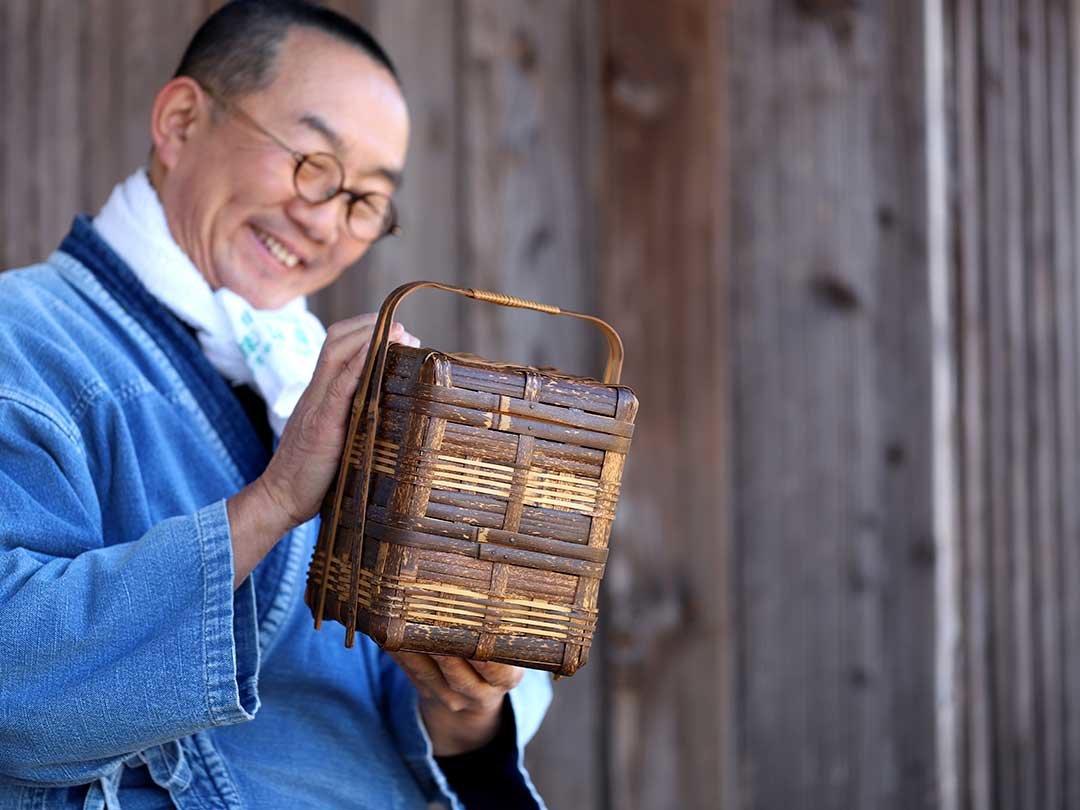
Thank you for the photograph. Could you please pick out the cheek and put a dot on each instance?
(338, 264)
(252, 179)
(348, 254)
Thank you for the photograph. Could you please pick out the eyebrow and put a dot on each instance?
(316, 123)
(320, 126)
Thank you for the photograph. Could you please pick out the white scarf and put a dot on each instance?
(274, 351)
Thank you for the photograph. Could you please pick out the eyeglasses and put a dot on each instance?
(319, 177)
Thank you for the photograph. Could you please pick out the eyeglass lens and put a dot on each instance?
(319, 177)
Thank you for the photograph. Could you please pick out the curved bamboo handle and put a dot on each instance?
(366, 406)
(613, 368)
(510, 301)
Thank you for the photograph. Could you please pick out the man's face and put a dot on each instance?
(229, 195)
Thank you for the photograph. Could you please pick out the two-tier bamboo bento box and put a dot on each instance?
(478, 498)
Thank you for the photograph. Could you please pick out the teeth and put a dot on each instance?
(279, 251)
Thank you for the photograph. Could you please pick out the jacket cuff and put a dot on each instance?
(230, 624)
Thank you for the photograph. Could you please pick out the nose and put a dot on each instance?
(320, 222)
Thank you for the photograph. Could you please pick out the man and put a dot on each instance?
(155, 650)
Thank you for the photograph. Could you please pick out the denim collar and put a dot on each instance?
(209, 388)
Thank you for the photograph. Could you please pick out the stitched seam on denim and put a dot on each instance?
(204, 570)
(88, 284)
(45, 411)
(31, 797)
(217, 770)
(95, 390)
(210, 619)
(287, 583)
(90, 391)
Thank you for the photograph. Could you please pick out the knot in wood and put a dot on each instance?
(835, 291)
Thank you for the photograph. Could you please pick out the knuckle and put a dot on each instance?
(426, 676)
(339, 387)
(336, 330)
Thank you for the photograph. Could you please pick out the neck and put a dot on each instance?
(157, 174)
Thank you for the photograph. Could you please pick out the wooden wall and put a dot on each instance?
(833, 501)
(661, 276)
(839, 241)
(1013, 81)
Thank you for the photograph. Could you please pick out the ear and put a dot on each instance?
(180, 110)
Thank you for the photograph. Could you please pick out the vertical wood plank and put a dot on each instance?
(1006, 376)
(977, 767)
(139, 77)
(59, 125)
(664, 285)
(945, 445)
(833, 378)
(1040, 433)
(98, 156)
(421, 39)
(915, 593)
(21, 191)
(525, 166)
(523, 198)
(995, 230)
(1020, 404)
(1067, 251)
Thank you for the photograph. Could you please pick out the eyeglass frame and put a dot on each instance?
(392, 228)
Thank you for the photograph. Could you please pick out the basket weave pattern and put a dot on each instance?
(489, 508)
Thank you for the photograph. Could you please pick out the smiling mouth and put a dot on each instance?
(277, 250)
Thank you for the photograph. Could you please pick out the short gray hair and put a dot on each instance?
(234, 52)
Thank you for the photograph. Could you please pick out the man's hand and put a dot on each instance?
(291, 489)
(460, 701)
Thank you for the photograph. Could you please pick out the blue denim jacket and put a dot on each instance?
(131, 674)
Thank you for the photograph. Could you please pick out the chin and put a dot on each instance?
(268, 301)
(260, 299)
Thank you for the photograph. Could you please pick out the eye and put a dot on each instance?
(373, 204)
(318, 177)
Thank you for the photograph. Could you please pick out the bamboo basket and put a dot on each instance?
(478, 498)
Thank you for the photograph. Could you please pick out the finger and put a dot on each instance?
(346, 354)
(345, 382)
(351, 326)
(348, 325)
(428, 679)
(502, 676)
(399, 335)
(463, 678)
(422, 671)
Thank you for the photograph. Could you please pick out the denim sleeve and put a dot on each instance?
(105, 651)
(529, 700)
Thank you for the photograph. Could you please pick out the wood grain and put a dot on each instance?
(663, 282)
(832, 387)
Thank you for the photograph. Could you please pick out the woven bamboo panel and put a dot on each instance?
(492, 493)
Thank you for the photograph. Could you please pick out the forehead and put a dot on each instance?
(321, 78)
